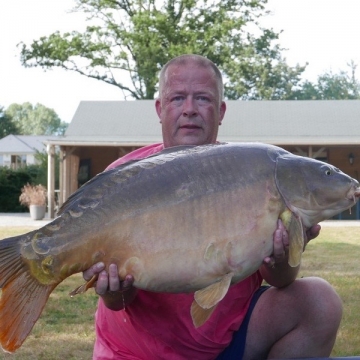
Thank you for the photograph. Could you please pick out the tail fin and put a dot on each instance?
(22, 297)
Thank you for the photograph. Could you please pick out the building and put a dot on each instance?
(102, 131)
(19, 150)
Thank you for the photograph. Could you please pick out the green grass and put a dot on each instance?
(334, 256)
(65, 330)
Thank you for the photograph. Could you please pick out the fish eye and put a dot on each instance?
(328, 171)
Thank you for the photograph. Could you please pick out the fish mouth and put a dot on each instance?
(354, 194)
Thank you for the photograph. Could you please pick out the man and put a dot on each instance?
(291, 319)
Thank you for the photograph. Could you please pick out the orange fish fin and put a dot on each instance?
(84, 287)
(212, 294)
(22, 297)
(296, 233)
(199, 315)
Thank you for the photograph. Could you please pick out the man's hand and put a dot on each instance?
(281, 246)
(276, 270)
(313, 232)
(115, 293)
(281, 243)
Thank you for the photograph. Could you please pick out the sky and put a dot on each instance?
(323, 33)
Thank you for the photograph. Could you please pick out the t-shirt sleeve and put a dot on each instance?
(137, 154)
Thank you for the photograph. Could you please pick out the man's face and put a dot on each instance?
(189, 106)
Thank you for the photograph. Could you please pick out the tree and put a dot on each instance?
(7, 127)
(128, 42)
(35, 120)
(330, 86)
(39, 172)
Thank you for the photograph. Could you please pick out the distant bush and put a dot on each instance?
(11, 182)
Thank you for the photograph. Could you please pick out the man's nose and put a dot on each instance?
(189, 107)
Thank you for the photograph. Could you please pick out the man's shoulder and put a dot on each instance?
(137, 154)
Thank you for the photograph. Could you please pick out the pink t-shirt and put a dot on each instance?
(159, 325)
(137, 154)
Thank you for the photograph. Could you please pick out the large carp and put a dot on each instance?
(190, 219)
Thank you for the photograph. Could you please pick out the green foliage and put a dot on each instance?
(11, 182)
(127, 43)
(330, 86)
(40, 171)
(7, 127)
(35, 120)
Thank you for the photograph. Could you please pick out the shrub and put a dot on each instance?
(11, 182)
(33, 195)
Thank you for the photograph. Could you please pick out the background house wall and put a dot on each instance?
(19, 150)
(102, 131)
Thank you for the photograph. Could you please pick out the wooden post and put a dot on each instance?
(51, 179)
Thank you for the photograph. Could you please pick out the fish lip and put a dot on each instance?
(353, 194)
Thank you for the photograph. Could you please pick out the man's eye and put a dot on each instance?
(203, 98)
(177, 98)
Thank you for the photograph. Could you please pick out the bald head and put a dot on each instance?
(194, 60)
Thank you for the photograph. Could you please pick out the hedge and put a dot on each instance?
(11, 182)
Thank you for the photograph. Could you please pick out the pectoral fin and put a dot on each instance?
(211, 295)
(205, 300)
(296, 236)
(199, 315)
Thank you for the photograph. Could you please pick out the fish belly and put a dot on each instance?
(186, 246)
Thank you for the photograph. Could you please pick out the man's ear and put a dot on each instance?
(222, 111)
(158, 108)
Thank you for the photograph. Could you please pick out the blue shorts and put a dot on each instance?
(237, 346)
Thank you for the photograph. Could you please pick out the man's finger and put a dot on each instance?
(114, 281)
(127, 283)
(93, 270)
(102, 283)
(313, 232)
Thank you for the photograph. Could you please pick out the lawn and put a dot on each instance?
(335, 256)
(65, 329)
